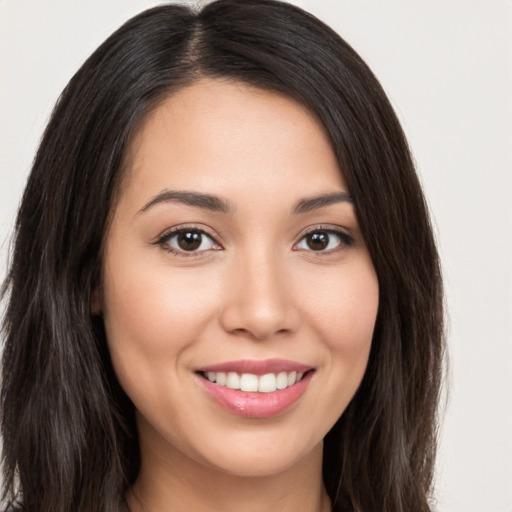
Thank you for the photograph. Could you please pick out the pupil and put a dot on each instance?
(318, 241)
(190, 240)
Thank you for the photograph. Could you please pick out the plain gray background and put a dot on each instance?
(447, 67)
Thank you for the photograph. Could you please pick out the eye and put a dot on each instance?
(324, 240)
(187, 240)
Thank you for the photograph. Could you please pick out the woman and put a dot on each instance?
(224, 290)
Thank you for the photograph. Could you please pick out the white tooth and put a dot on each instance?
(281, 380)
(299, 376)
(233, 380)
(249, 382)
(221, 378)
(291, 378)
(267, 383)
(210, 376)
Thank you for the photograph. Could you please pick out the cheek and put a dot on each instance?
(153, 309)
(152, 317)
(345, 308)
(344, 315)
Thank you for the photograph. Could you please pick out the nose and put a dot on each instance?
(258, 298)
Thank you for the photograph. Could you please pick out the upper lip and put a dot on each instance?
(257, 367)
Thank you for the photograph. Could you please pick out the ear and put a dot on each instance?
(96, 308)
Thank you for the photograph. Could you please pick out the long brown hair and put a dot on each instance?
(69, 438)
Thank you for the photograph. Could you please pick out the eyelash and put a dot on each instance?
(345, 240)
(163, 241)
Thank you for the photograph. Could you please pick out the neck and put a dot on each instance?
(185, 485)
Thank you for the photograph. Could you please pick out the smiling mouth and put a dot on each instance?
(250, 382)
(256, 388)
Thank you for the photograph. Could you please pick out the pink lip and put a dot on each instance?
(257, 367)
(252, 404)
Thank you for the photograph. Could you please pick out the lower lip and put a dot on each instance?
(256, 405)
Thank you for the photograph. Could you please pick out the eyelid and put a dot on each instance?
(345, 236)
(163, 238)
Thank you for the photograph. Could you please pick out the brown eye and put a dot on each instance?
(317, 241)
(189, 240)
(325, 240)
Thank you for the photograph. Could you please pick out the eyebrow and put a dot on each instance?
(197, 199)
(317, 202)
(216, 204)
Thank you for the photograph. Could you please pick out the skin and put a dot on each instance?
(254, 290)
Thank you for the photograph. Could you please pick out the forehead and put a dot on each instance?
(223, 135)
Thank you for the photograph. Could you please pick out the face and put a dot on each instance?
(238, 295)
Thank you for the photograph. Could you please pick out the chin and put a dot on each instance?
(263, 459)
